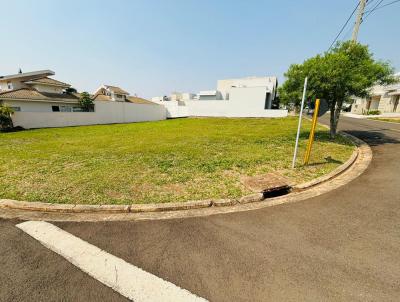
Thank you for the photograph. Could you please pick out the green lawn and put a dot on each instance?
(173, 160)
(388, 119)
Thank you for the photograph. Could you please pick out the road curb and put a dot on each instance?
(338, 170)
(25, 206)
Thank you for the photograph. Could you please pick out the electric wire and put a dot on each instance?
(344, 26)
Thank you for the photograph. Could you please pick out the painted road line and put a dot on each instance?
(123, 277)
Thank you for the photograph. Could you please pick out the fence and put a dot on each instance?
(105, 113)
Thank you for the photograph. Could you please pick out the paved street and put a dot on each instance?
(340, 246)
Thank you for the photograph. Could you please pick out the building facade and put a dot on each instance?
(37, 92)
(39, 101)
(110, 93)
(385, 99)
(243, 97)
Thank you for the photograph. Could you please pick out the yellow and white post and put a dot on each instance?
(312, 133)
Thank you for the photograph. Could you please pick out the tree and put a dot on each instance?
(6, 122)
(86, 101)
(71, 90)
(347, 71)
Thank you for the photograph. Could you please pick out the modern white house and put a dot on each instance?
(243, 97)
(37, 92)
(39, 101)
(385, 99)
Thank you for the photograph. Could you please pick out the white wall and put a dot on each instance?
(174, 110)
(243, 102)
(227, 109)
(16, 84)
(225, 86)
(105, 113)
(33, 106)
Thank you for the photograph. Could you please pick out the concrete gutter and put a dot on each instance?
(360, 158)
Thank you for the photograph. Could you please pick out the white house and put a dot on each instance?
(117, 94)
(37, 92)
(39, 101)
(244, 97)
(385, 99)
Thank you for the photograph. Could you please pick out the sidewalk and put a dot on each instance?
(360, 116)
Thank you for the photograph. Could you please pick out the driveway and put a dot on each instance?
(340, 246)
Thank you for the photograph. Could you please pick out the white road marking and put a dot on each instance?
(123, 277)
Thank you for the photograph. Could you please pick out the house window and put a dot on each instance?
(66, 109)
(55, 108)
(9, 85)
(77, 109)
(16, 108)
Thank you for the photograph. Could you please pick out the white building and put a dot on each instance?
(39, 101)
(385, 99)
(117, 94)
(37, 92)
(245, 97)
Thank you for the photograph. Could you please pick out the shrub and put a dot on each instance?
(86, 101)
(6, 122)
(373, 112)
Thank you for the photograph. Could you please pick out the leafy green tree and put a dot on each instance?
(347, 71)
(86, 101)
(6, 122)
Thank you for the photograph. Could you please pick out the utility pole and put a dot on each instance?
(361, 9)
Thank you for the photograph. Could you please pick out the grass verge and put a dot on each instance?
(173, 160)
(388, 119)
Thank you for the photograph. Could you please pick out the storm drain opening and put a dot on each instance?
(270, 184)
(276, 192)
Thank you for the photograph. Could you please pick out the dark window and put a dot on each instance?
(267, 100)
(55, 108)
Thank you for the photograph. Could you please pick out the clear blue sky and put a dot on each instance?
(154, 47)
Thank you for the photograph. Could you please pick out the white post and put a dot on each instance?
(299, 126)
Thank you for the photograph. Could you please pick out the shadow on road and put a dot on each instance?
(374, 138)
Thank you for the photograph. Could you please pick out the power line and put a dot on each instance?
(387, 4)
(344, 26)
(347, 35)
(371, 10)
(370, 2)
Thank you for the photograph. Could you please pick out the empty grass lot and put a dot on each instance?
(173, 160)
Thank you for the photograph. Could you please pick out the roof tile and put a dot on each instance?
(47, 80)
(32, 94)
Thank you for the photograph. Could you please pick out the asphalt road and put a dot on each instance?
(340, 246)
